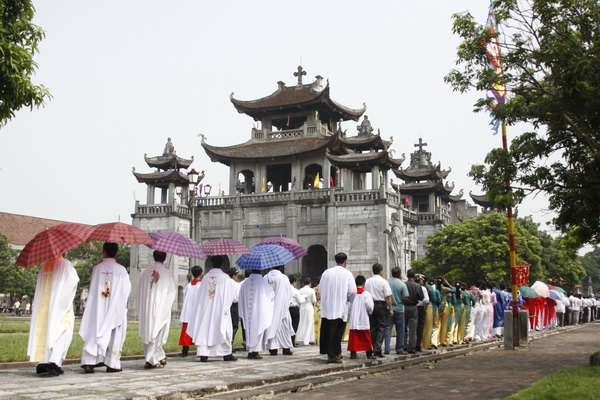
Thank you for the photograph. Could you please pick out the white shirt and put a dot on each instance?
(297, 298)
(425, 297)
(361, 308)
(337, 288)
(378, 287)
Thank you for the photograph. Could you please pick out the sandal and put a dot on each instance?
(163, 362)
(150, 366)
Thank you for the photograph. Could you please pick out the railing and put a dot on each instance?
(305, 130)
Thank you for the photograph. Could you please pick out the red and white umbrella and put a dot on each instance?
(119, 232)
(176, 243)
(290, 244)
(222, 247)
(53, 242)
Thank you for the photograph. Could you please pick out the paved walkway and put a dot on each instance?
(188, 378)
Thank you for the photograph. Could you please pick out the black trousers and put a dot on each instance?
(420, 326)
(378, 321)
(332, 332)
(235, 318)
(295, 314)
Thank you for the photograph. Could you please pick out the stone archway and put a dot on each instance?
(315, 262)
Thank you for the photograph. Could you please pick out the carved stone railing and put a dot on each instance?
(161, 209)
(304, 131)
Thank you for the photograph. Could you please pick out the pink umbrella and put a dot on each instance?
(290, 244)
(541, 288)
(221, 247)
(176, 243)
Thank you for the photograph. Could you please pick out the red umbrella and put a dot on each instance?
(176, 243)
(52, 242)
(118, 232)
(290, 244)
(221, 247)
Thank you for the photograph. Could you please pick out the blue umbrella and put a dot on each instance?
(264, 257)
(555, 295)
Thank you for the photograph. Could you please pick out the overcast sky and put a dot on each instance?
(125, 75)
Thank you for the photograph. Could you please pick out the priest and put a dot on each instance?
(155, 296)
(281, 331)
(104, 322)
(52, 319)
(256, 311)
(210, 323)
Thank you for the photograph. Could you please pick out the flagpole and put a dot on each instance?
(513, 252)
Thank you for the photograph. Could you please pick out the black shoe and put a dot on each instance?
(230, 357)
(273, 352)
(418, 350)
(287, 352)
(254, 356)
(386, 352)
(42, 368)
(88, 369)
(203, 359)
(378, 354)
(353, 356)
(163, 362)
(333, 360)
(339, 357)
(412, 352)
(184, 351)
(371, 357)
(55, 368)
(109, 369)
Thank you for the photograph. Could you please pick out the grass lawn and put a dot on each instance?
(14, 336)
(581, 383)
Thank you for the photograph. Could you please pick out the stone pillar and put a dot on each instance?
(375, 177)
(332, 236)
(523, 328)
(163, 196)
(150, 194)
(233, 178)
(326, 173)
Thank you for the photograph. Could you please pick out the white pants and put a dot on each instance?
(154, 351)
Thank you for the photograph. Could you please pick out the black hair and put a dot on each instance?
(217, 261)
(110, 249)
(196, 271)
(411, 273)
(377, 268)
(307, 280)
(159, 256)
(292, 279)
(340, 258)
(396, 272)
(360, 280)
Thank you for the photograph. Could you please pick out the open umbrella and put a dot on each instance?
(555, 295)
(528, 292)
(265, 256)
(290, 244)
(541, 288)
(560, 290)
(221, 247)
(176, 243)
(52, 242)
(119, 232)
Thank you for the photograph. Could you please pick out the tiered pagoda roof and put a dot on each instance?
(423, 177)
(482, 200)
(291, 99)
(168, 161)
(162, 179)
(268, 149)
(168, 167)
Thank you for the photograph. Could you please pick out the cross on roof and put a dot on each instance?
(420, 145)
(299, 74)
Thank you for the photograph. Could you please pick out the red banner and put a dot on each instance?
(521, 275)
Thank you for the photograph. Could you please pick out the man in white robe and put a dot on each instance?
(256, 312)
(104, 322)
(186, 309)
(155, 296)
(281, 331)
(210, 325)
(337, 288)
(306, 326)
(52, 320)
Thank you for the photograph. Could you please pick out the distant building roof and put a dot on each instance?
(20, 229)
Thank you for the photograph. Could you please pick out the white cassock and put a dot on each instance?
(104, 323)
(52, 318)
(256, 311)
(210, 322)
(336, 288)
(360, 309)
(306, 326)
(281, 331)
(188, 299)
(155, 296)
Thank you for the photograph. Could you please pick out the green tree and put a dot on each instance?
(551, 62)
(478, 248)
(19, 39)
(15, 280)
(591, 264)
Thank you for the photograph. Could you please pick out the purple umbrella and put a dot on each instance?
(221, 247)
(176, 243)
(265, 256)
(290, 244)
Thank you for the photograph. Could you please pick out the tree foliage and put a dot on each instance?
(15, 280)
(551, 61)
(478, 248)
(19, 39)
(591, 264)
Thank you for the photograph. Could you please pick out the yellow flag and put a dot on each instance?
(316, 183)
(219, 189)
(264, 185)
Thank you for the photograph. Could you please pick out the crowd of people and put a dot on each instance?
(421, 312)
